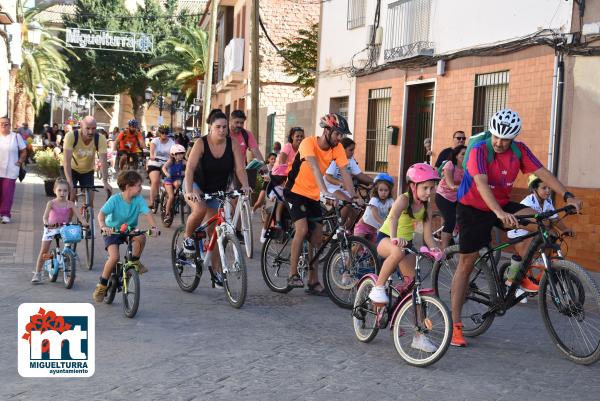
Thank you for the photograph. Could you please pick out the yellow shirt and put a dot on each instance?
(406, 224)
(84, 155)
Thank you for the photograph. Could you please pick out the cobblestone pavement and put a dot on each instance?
(183, 346)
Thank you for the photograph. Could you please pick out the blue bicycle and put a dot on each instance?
(64, 259)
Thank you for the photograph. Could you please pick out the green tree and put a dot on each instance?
(300, 57)
(184, 60)
(113, 72)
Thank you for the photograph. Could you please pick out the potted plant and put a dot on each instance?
(49, 167)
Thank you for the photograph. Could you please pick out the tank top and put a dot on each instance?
(59, 215)
(214, 174)
(406, 224)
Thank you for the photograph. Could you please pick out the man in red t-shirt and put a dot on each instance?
(129, 143)
(484, 201)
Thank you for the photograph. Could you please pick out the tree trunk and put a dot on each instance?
(22, 108)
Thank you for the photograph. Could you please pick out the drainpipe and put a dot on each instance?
(559, 112)
(553, 115)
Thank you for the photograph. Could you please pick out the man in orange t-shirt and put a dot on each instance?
(304, 187)
(129, 142)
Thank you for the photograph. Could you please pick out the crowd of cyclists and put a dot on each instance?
(471, 187)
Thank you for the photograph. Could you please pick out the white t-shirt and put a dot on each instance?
(10, 145)
(161, 152)
(532, 202)
(334, 170)
(383, 208)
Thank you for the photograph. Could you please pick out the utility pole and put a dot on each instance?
(208, 75)
(255, 73)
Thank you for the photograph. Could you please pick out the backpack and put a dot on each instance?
(76, 135)
(487, 137)
(245, 136)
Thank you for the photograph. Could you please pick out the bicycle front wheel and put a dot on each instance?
(275, 262)
(89, 237)
(247, 229)
(426, 342)
(235, 276)
(572, 313)
(479, 296)
(187, 272)
(69, 268)
(364, 315)
(341, 274)
(131, 292)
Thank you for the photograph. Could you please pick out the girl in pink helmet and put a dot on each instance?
(173, 170)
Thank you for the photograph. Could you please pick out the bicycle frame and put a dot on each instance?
(237, 213)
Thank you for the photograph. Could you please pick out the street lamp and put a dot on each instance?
(39, 89)
(63, 98)
(148, 94)
(34, 33)
(174, 97)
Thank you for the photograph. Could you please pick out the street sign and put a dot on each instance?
(109, 40)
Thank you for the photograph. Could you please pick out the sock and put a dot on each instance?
(135, 258)
(103, 281)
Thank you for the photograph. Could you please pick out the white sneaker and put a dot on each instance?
(421, 342)
(5, 219)
(378, 295)
(37, 277)
(262, 236)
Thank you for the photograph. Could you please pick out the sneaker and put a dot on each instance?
(421, 342)
(218, 280)
(5, 219)
(378, 295)
(99, 293)
(188, 247)
(262, 236)
(526, 285)
(458, 340)
(141, 268)
(37, 277)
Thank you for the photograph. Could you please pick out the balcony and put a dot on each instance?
(233, 65)
(408, 27)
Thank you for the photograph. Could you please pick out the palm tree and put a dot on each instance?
(184, 61)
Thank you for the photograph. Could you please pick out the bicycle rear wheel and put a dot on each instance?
(235, 276)
(572, 315)
(247, 229)
(340, 279)
(480, 294)
(187, 272)
(69, 268)
(131, 292)
(275, 262)
(364, 316)
(89, 237)
(435, 324)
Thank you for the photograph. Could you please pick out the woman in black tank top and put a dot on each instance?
(211, 164)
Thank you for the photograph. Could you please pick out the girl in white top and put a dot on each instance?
(378, 208)
(159, 154)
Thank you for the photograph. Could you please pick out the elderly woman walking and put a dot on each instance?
(13, 153)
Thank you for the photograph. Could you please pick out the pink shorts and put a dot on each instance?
(365, 230)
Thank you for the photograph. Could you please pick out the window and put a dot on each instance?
(356, 13)
(378, 117)
(339, 105)
(408, 29)
(491, 94)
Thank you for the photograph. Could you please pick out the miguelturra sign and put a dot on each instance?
(109, 40)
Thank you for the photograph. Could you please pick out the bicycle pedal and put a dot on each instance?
(477, 318)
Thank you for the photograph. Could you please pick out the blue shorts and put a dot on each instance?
(211, 203)
(381, 236)
(113, 239)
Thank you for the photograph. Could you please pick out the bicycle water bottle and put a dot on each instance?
(513, 269)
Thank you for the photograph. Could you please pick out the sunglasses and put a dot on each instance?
(460, 138)
(4, 124)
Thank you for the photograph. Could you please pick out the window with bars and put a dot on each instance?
(408, 29)
(491, 95)
(339, 105)
(378, 118)
(356, 13)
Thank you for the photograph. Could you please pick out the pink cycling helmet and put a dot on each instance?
(176, 149)
(421, 172)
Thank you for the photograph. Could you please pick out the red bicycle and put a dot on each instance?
(188, 269)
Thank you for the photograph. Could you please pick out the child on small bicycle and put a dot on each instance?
(266, 178)
(122, 208)
(408, 208)
(378, 208)
(173, 170)
(59, 211)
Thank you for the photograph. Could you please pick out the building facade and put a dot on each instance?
(10, 52)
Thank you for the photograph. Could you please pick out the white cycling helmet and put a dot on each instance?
(505, 124)
(177, 148)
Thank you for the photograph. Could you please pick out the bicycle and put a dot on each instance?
(275, 260)
(65, 259)
(566, 290)
(87, 211)
(179, 204)
(410, 309)
(125, 277)
(188, 271)
(242, 211)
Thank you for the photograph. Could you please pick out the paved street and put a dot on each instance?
(183, 346)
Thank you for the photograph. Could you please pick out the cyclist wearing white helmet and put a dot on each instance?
(173, 170)
(378, 208)
(491, 167)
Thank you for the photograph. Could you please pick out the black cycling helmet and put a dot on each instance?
(335, 122)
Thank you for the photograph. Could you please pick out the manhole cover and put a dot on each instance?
(273, 300)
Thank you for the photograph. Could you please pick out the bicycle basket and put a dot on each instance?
(71, 234)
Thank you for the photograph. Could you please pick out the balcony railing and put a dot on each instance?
(408, 27)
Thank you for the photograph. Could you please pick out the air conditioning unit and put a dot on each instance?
(369, 34)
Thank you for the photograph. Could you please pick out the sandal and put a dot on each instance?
(312, 289)
(295, 281)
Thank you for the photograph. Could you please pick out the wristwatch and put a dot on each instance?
(568, 195)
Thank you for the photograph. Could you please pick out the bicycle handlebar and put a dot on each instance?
(93, 187)
(222, 195)
(525, 219)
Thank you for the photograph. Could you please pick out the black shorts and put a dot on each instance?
(154, 168)
(475, 226)
(302, 207)
(83, 180)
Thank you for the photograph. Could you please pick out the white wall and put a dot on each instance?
(8, 6)
(334, 86)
